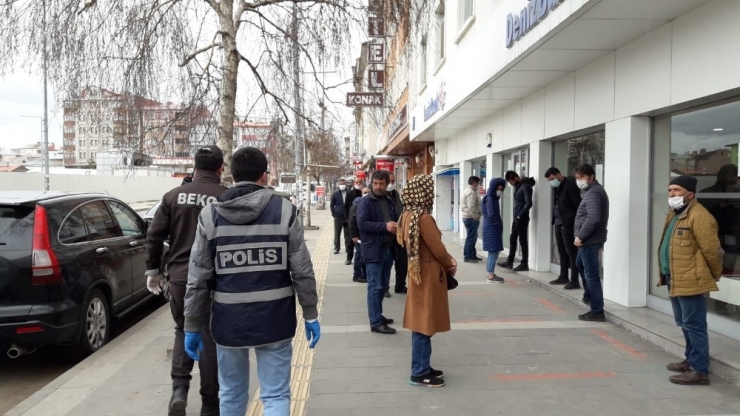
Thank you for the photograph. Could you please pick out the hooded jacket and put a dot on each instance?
(250, 257)
(523, 198)
(493, 225)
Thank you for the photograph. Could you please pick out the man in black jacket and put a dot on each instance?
(360, 272)
(520, 225)
(338, 199)
(177, 219)
(352, 194)
(567, 198)
(401, 265)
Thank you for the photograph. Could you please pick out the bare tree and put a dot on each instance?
(189, 51)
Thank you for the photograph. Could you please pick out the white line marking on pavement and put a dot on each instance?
(478, 326)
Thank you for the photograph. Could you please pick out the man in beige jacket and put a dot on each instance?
(690, 261)
(471, 213)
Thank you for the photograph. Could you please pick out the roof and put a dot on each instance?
(18, 168)
(21, 197)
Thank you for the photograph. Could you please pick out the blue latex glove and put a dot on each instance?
(193, 344)
(313, 333)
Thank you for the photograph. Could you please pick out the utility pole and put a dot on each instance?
(297, 97)
(46, 109)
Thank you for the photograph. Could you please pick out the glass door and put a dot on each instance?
(518, 161)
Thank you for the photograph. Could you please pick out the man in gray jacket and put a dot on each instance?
(471, 213)
(250, 259)
(590, 232)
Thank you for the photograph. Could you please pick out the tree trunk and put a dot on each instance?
(227, 100)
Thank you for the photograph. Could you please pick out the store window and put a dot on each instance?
(704, 144)
(567, 156)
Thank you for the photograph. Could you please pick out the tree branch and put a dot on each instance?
(197, 52)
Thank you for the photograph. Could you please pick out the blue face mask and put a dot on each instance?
(554, 183)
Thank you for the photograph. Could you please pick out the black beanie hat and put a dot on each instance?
(686, 182)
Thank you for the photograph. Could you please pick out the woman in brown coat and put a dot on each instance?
(427, 309)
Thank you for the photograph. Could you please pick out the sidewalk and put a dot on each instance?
(515, 349)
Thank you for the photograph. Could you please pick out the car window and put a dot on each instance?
(16, 227)
(99, 223)
(127, 220)
(152, 211)
(73, 229)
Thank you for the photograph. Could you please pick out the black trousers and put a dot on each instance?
(341, 225)
(520, 232)
(401, 265)
(568, 253)
(182, 364)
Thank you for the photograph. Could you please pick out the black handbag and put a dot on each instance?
(451, 282)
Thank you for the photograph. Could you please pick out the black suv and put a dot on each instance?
(68, 263)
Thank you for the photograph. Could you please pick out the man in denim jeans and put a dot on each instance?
(690, 259)
(590, 231)
(471, 212)
(376, 219)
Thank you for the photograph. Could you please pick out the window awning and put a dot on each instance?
(447, 172)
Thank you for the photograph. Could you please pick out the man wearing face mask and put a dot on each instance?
(470, 211)
(690, 261)
(340, 219)
(565, 205)
(520, 227)
(590, 231)
(401, 265)
(352, 195)
(360, 272)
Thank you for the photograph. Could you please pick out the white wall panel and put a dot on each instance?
(594, 97)
(533, 117)
(560, 106)
(513, 126)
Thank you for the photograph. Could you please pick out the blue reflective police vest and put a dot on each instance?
(253, 299)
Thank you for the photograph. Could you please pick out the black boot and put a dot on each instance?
(209, 409)
(178, 401)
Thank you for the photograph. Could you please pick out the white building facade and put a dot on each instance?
(644, 90)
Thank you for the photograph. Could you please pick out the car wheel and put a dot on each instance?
(95, 328)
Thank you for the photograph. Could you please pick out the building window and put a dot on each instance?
(440, 17)
(465, 12)
(703, 143)
(423, 65)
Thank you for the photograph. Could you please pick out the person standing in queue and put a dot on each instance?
(250, 262)
(401, 263)
(177, 219)
(352, 195)
(359, 274)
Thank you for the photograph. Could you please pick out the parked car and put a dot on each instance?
(69, 263)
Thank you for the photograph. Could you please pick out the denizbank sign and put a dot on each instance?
(518, 25)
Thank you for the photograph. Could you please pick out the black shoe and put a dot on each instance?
(571, 286)
(479, 258)
(401, 290)
(522, 267)
(360, 280)
(506, 264)
(473, 260)
(427, 380)
(592, 317)
(387, 294)
(386, 321)
(209, 410)
(436, 373)
(383, 329)
(586, 300)
(336, 251)
(559, 281)
(348, 262)
(178, 401)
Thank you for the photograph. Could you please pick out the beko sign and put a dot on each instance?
(519, 25)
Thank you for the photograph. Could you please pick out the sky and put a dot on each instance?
(21, 94)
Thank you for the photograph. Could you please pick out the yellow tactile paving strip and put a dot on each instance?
(300, 381)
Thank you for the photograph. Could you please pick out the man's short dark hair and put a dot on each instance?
(586, 170)
(248, 164)
(209, 158)
(510, 175)
(473, 179)
(552, 171)
(382, 175)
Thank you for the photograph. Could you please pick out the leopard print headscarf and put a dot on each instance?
(418, 198)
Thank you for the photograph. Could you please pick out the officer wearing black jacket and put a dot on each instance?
(177, 219)
(565, 205)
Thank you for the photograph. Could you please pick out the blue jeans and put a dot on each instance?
(588, 264)
(359, 266)
(690, 313)
(491, 264)
(421, 354)
(378, 281)
(273, 372)
(471, 226)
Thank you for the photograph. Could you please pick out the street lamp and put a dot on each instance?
(44, 151)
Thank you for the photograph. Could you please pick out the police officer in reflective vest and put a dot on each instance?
(249, 256)
(177, 219)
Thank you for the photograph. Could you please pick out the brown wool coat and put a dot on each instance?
(695, 253)
(427, 308)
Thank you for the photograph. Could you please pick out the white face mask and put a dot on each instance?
(582, 184)
(676, 202)
(499, 193)
(390, 187)
(358, 187)
(342, 187)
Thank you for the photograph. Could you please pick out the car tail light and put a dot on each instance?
(45, 265)
(28, 329)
